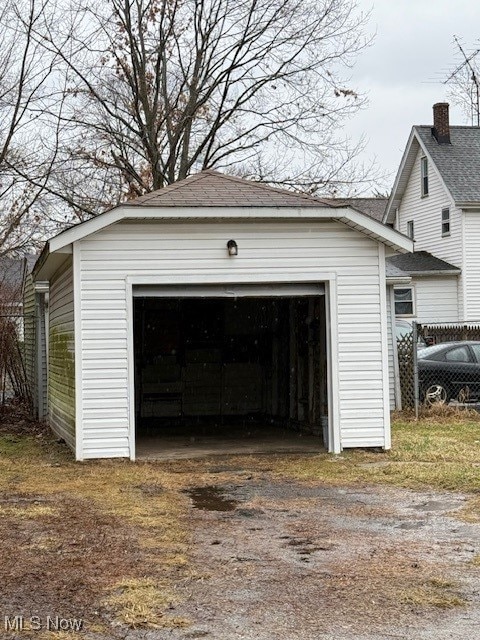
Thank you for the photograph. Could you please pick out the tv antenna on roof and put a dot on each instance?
(475, 86)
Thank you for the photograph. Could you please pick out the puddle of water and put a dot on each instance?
(211, 499)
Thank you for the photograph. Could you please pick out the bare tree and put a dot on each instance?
(464, 82)
(162, 88)
(28, 137)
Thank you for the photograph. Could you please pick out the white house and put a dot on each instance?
(436, 202)
(216, 296)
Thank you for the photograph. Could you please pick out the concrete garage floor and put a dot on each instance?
(225, 441)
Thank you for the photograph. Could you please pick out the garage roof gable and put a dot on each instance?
(210, 195)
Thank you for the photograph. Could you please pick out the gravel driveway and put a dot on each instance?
(283, 560)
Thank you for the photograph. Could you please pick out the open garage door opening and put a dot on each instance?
(241, 369)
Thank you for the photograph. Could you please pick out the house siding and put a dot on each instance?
(41, 356)
(427, 216)
(196, 254)
(426, 213)
(29, 338)
(392, 346)
(472, 266)
(61, 380)
(436, 299)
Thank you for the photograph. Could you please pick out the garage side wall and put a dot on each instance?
(61, 361)
(169, 253)
(29, 341)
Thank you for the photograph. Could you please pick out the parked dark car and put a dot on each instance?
(449, 371)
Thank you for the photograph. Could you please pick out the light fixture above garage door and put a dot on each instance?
(232, 248)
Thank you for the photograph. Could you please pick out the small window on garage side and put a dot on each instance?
(446, 222)
(411, 229)
(460, 354)
(424, 176)
(404, 301)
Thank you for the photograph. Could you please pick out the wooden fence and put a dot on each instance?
(406, 366)
(449, 333)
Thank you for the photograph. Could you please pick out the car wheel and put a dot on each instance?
(436, 393)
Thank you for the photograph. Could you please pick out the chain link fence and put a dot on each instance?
(440, 365)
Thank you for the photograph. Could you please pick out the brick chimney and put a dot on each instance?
(441, 125)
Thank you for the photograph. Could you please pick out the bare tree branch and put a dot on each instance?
(27, 94)
(162, 88)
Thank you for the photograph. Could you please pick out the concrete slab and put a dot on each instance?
(251, 442)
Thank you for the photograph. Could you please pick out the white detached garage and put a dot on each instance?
(216, 300)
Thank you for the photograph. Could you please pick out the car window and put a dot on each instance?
(476, 351)
(460, 354)
(430, 352)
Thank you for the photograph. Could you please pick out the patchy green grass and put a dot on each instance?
(441, 451)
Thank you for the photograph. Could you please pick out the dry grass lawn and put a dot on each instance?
(110, 540)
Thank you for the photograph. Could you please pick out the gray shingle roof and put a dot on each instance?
(458, 162)
(419, 263)
(392, 271)
(372, 207)
(213, 189)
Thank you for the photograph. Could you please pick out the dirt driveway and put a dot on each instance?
(288, 560)
(264, 547)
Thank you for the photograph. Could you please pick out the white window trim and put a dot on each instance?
(414, 305)
(446, 234)
(411, 225)
(424, 162)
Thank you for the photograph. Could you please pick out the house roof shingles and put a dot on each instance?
(458, 162)
(417, 264)
(213, 189)
(372, 207)
(391, 271)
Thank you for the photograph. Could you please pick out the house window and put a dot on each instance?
(411, 229)
(424, 176)
(446, 222)
(404, 301)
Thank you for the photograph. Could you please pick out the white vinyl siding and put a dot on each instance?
(190, 253)
(30, 341)
(41, 355)
(392, 346)
(436, 299)
(471, 266)
(426, 214)
(35, 351)
(61, 364)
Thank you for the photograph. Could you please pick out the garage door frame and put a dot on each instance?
(214, 286)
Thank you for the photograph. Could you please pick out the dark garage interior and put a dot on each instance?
(229, 368)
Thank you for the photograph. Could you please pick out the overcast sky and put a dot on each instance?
(412, 47)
